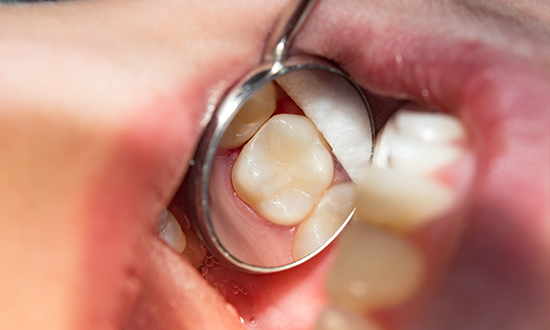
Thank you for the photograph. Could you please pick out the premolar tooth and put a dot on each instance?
(338, 113)
(339, 319)
(432, 127)
(399, 200)
(374, 269)
(284, 169)
(253, 114)
(328, 216)
(169, 230)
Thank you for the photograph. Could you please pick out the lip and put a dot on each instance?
(500, 98)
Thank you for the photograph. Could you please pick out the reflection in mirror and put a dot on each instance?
(282, 183)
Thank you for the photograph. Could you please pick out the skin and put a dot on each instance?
(101, 104)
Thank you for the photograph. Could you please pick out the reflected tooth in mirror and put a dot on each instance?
(374, 269)
(400, 201)
(253, 114)
(284, 169)
(339, 114)
(169, 230)
(338, 319)
(327, 217)
(432, 127)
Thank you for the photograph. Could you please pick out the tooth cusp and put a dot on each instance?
(284, 169)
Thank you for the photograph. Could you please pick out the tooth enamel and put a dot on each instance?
(327, 217)
(338, 113)
(419, 142)
(250, 117)
(419, 157)
(169, 230)
(400, 200)
(433, 127)
(284, 169)
(339, 319)
(374, 269)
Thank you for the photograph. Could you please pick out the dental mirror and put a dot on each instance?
(272, 179)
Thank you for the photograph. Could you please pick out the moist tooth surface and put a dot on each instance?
(169, 230)
(328, 216)
(253, 114)
(339, 114)
(284, 169)
(375, 269)
(400, 192)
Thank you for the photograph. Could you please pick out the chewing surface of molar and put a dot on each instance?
(339, 319)
(374, 269)
(284, 169)
(327, 217)
(253, 114)
(169, 230)
(338, 112)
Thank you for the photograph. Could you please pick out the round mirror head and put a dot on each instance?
(278, 163)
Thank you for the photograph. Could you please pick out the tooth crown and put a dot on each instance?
(429, 127)
(284, 169)
(169, 230)
(419, 142)
(328, 216)
(398, 192)
(253, 114)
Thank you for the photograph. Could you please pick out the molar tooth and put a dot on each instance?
(338, 112)
(253, 114)
(419, 142)
(432, 127)
(339, 319)
(418, 157)
(284, 169)
(400, 200)
(169, 230)
(328, 216)
(374, 269)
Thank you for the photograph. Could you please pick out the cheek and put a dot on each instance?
(146, 155)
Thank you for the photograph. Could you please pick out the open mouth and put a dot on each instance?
(481, 264)
(440, 273)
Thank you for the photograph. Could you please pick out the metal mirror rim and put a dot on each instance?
(201, 165)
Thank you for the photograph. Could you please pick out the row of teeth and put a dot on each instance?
(286, 169)
(398, 194)
(377, 266)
